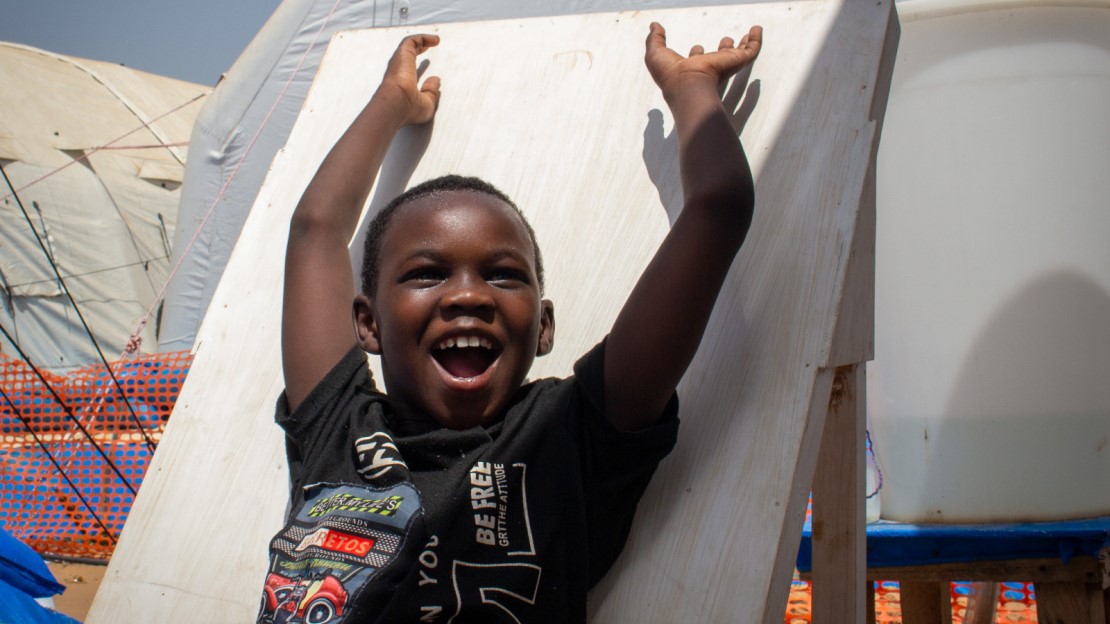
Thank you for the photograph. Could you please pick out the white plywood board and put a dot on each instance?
(561, 114)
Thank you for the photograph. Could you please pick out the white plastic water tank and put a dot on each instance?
(989, 395)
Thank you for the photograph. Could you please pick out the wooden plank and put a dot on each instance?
(839, 497)
(854, 337)
(841, 592)
(1069, 603)
(571, 126)
(925, 602)
(1104, 580)
(1081, 569)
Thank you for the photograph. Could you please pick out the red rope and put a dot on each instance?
(107, 145)
(136, 341)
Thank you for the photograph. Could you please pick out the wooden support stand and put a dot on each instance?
(839, 556)
(1072, 593)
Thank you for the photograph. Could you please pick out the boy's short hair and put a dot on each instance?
(375, 232)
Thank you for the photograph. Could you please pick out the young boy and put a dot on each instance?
(465, 494)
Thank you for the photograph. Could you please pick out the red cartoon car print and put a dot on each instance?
(316, 598)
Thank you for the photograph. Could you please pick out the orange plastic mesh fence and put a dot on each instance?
(1016, 603)
(36, 503)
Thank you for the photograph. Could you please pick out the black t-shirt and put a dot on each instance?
(395, 519)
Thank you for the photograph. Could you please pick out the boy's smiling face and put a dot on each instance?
(457, 316)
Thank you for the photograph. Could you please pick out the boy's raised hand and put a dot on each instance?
(662, 323)
(674, 73)
(316, 311)
(401, 81)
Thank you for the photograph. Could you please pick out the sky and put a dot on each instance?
(194, 40)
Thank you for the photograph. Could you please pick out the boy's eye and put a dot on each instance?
(422, 275)
(507, 276)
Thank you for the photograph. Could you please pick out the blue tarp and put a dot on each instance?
(24, 577)
(23, 569)
(17, 607)
(896, 544)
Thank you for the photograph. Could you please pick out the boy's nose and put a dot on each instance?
(468, 296)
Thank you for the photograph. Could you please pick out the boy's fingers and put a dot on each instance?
(726, 43)
(657, 37)
(421, 42)
(754, 38)
(431, 87)
(425, 105)
(413, 46)
(696, 50)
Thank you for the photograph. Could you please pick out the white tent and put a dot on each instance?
(95, 153)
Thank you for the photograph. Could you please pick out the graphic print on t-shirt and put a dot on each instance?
(338, 539)
(377, 455)
(500, 576)
(499, 501)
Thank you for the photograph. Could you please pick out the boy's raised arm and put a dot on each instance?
(661, 324)
(316, 327)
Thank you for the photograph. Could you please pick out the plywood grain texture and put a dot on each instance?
(560, 113)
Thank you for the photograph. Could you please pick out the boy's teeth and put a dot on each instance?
(465, 341)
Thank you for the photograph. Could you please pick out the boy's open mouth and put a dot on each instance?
(465, 357)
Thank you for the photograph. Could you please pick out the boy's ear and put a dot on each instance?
(547, 328)
(366, 327)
